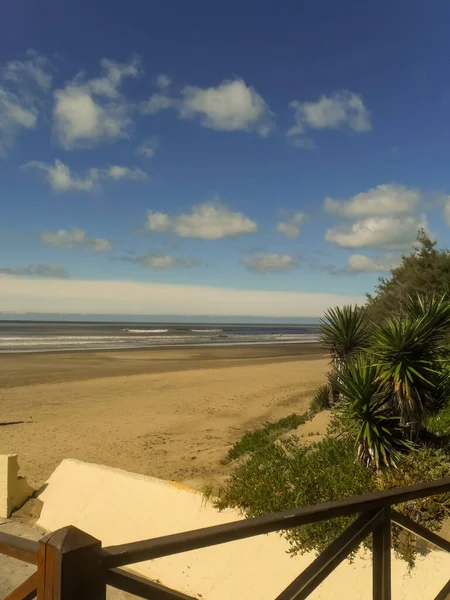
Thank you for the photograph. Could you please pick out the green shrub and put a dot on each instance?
(254, 441)
(285, 475)
(439, 423)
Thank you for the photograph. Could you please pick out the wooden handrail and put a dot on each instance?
(134, 552)
(329, 559)
(420, 531)
(141, 587)
(20, 548)
(72, 564)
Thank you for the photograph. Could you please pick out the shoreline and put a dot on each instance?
(32, 368)
(155, 346)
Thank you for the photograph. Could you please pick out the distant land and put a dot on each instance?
(209, 319)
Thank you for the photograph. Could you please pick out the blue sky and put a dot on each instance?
(253, 158)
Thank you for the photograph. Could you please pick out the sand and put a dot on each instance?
(170, 413)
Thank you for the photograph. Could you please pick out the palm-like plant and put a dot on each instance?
(410, 352)
(322, 400)
(344, 332)
(368, 413)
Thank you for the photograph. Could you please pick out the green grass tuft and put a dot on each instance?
(254, 441)
(439, 423)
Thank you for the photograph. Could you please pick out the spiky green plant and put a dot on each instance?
(322, 400)
(411, 352)
(344, 332)
(368, 413)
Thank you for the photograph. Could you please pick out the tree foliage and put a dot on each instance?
(425, 270)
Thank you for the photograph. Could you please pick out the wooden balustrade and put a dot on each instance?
(72, 565)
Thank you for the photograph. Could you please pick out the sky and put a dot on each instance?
(249, 158)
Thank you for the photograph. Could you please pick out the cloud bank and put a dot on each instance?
(127, 297)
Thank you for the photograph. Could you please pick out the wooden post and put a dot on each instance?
(382, 558)
(69, 566)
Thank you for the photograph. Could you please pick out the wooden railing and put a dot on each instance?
(72, 565)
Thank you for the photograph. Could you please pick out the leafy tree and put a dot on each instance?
(426, 271)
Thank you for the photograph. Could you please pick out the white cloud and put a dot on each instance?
(359, 263)
(208, 221)
(61, 179)
(163, 261)
(112, 75)
(54, 271)
(81, 121)
(148, 147)
(20, 295)
(16, 115)
(291, 227)
(383, 200)
(341, 110)
(117, 173)
(158, 102)
(269, 263)
(34, 68)
(231, 106)
(74, 238)
(378, 232)
(163, 81)
(89, 112)
(22, 83)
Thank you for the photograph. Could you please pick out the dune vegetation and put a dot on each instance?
(388, 390)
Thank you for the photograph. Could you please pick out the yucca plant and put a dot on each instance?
(436, 311)
(410, 352)
(322, 400)
(344, 332)
(367, 413)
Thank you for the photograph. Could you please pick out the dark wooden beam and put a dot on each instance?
(19, 548)
(444, 594)
(330, 558)
(69, 567)
(116, 556)
(141, 587)
(381, 558)
(420, 531)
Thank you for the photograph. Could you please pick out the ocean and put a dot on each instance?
(45, 336)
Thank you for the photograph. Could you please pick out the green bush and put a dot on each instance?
(439, 423)
(254, 441)
(284, 475)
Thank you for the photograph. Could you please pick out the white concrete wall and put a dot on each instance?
(118, 507)
(14, 490)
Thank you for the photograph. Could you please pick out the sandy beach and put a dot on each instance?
(169, 413)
